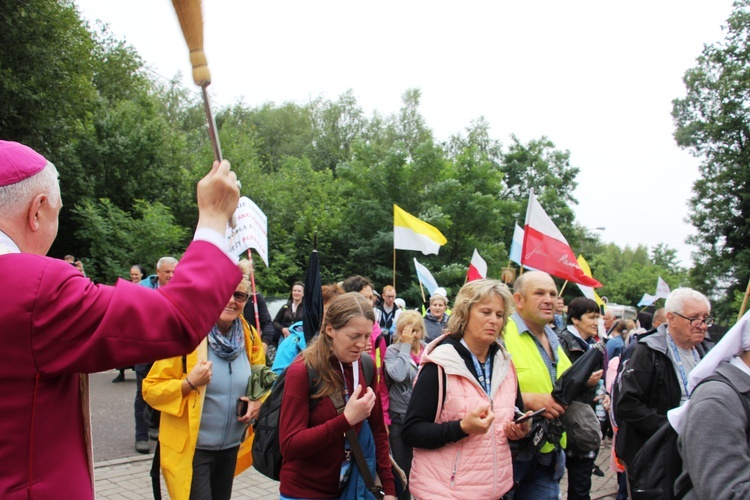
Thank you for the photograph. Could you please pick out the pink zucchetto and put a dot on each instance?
(18, 162)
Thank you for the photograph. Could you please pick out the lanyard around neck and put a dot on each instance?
(484, 373)
(678, 360)
(355, 376)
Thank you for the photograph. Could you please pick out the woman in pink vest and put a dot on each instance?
(460, 416)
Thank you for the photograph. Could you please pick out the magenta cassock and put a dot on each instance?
(56, 325)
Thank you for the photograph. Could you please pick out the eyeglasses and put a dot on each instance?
(697, 322)
(240, 296)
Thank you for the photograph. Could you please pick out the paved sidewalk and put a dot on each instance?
(128, 479)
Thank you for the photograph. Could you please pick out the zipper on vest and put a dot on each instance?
(455, 468)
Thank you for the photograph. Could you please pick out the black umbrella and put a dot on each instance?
(312, 314)
(573, 381)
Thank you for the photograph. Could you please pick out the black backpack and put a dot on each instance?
(266, 448)
(658, 464)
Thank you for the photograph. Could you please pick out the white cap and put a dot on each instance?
(440, 291)
(400, 303)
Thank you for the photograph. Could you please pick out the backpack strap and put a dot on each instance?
(441, 391)
(718, 377)
(368, 367)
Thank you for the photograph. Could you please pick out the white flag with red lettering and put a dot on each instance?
(546, 249)
(477, 268)
(662, 289)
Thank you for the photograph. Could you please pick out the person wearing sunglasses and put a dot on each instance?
(204, 408)
(656, 377)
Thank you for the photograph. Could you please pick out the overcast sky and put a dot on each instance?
(596, 77)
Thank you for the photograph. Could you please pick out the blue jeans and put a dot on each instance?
(534, 481)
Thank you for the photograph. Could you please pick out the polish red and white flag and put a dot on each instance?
(546, 249)
(477, 268)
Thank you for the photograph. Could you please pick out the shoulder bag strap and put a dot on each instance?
(338, 401)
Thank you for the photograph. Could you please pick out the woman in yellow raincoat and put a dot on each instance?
(203, 428)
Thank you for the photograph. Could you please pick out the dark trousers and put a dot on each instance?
(402, 454)
(579, 477)
(622, 486)
(213, 474)
(139, 405)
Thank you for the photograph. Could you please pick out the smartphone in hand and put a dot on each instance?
(241, 407)
(524, 417)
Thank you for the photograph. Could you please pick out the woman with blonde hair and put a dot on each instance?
(460, 416)
(311, 428)
(401, 364)
(202, 423)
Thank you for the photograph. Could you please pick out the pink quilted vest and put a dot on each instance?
(478, 466)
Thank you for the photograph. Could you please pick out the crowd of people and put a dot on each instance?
(464, 398)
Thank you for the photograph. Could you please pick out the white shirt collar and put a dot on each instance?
(572, 329)
(739, 363)
(7, 245)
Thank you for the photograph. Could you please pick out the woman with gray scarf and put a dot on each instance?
(204, 406)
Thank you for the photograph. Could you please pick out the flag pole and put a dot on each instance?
(255, 295)
(563, 288)
(421, 289)
(394, 267)
(744, 301)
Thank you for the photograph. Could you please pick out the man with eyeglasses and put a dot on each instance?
(656, 377)
(387, 313)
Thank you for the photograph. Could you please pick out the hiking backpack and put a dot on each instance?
(266, 448)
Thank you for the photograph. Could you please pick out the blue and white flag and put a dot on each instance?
(425, 277)
(647, 300)
(516, 245)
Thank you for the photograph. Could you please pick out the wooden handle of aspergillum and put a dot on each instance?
(190, 15)
(201, 74)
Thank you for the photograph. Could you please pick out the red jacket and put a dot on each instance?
(54, 325)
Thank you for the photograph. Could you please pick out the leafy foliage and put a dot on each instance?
(130, 151)
(114, 240)
(713, 123)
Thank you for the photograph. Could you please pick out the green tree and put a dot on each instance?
(46, 72)
(713, 123)
(114, 240)
(540, 166)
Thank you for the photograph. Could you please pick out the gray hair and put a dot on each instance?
(165, 260)
(15, 198)
(676, 300)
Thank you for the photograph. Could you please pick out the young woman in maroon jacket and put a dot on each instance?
(312, 442)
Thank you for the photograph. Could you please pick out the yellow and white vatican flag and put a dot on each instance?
(410, 233)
